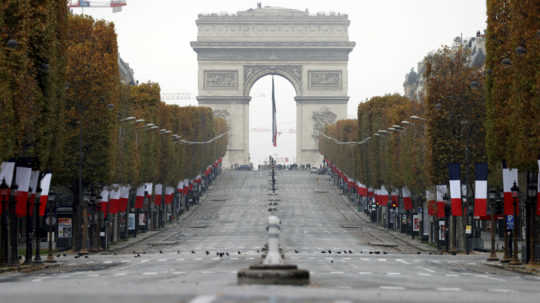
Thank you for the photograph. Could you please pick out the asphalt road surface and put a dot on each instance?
(196, 260)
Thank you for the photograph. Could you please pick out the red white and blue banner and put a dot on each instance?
(480, 190)
(22, 180)
(169, 194)
(124, 198)
(407, 200)
(45, 185)
(104, 201)
(455, 189)
(114, 199)
(157, 194)
(442, 190)
(139, 197)
(34, 180)
(510, 176)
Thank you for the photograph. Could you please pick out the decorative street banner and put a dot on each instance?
(22, 180)
(407, 201)
(480, 190)
(442, 190)
(455, 189)
(45, 187)
(510, 176)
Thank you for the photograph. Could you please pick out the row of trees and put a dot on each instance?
(62, 102)
(468, 115)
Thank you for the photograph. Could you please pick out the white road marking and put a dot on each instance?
(151, 273)
(452, 275)
(144, 261)
(180, 259)
(162, 260)
(203, 299)
(198, 259)
(365, 273)
(364, 259)
(392, 287)
(107, 262)
(393, 273)
(336, 273)
(423, 274)
(501, 290)
(93, 275)
(207, 272)
(448, 289)
(120, 274)
(426, 269)
(179, 272)
(402, 261)
(37, 280)
(381, 259)
(489, 278)
(126, 261)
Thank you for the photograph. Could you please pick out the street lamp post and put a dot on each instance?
(51, 222)
(492, 195)
(515, 197)
(532, 192)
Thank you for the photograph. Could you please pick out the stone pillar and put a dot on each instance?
(312, 114)
(235, 110)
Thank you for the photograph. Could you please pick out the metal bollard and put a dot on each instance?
(273, 257)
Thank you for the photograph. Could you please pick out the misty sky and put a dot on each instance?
(391, 37)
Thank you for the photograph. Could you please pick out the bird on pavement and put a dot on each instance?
(192, 251)
(238, 252)
(350, 251)
(227, 254)
(296, 251)
(207, 253)
(323, 251)
(160, 251)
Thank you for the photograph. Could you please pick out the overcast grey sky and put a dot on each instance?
(391, 37)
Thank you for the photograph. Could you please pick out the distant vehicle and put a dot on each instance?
(245, 167)
(322, 171)
(314, 170)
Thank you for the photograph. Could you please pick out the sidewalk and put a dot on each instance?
(522, 269)
(399, 237)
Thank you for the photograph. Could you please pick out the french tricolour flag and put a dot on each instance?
(114, 199)
(169, 192)
(480, 190)
(510, 176)
(104, 201)
(34, 180)
(139, 197)
(124, 197)
(441, 191)
(158, 193)
(407, 200)
(45, 185)
(455, 189)
(22, 180)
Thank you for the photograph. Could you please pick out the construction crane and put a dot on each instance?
(116, 5)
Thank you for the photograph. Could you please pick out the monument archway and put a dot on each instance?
(310, 51)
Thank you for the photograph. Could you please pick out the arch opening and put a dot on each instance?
(260, 120)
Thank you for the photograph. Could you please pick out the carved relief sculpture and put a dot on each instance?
(320, 119)
(325, 79)
(223, 79)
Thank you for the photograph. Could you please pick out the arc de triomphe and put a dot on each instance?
(311, 51)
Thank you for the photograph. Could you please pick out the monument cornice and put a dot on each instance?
(322, 99)
(273, 44)
(273, 20)
(223, 100)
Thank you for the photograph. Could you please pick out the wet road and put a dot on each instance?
(320, 232)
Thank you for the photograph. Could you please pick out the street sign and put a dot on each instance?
(416, 223)
(468, 229)
(510, 222)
